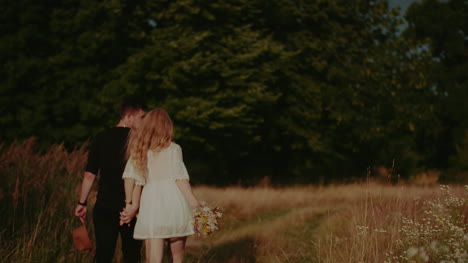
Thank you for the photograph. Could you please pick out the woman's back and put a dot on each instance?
(164, 211)
(166, 164)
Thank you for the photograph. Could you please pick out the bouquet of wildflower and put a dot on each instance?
(206, 220)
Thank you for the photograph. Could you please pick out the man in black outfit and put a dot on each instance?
(107, 157)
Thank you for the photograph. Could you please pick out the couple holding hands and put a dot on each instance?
(156, 186)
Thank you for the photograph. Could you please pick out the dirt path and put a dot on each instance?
(278, 236)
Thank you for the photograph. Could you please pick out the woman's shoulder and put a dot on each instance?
(175, 147)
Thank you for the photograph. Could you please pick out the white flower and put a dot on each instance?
(412, 251)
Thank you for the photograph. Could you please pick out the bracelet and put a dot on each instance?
(83, 204)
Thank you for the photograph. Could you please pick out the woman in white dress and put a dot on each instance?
(166, 201)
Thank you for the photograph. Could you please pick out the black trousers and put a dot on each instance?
(107, 229)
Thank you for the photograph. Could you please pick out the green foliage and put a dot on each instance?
(444, 25)
(288, 89)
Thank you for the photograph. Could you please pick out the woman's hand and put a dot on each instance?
(195, 204)
(127, 214)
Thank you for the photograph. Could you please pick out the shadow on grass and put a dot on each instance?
(238, 251)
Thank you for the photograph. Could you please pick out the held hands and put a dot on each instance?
(127, 214)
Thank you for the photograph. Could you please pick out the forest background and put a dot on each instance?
(296, 91)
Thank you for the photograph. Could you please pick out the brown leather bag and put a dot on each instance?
(81, 239)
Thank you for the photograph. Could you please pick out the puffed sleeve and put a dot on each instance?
(131, 172)
(180, 170)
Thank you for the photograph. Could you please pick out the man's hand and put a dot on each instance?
(80, 212)
(86, 185)
(128, 213)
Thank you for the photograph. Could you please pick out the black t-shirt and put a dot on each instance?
(107, 157)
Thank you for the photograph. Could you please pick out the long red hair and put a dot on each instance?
(155, 133)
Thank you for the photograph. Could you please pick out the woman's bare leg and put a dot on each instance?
(154, 250)
(177, 248)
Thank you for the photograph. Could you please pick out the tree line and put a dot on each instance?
(299, 91)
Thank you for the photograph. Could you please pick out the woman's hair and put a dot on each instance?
(155, 133)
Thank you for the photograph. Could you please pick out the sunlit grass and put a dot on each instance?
(337, 223)
(341, 223)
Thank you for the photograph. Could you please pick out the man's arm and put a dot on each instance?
(86, 185)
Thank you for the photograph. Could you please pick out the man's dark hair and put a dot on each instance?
(131, 105)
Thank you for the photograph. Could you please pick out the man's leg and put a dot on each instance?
(131, 248)
(106, 229)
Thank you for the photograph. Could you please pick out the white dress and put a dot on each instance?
(164, 211)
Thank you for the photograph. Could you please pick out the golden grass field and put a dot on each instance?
(336, 223)
(308, 223)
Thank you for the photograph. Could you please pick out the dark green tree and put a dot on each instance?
(283, 89)
(444, 24)
(56, 56)
(294, 90)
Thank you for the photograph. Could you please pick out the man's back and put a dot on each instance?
(107, 156)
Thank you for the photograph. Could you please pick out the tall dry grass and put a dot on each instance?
(367, 229)
(37, 195)
(336, 223)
